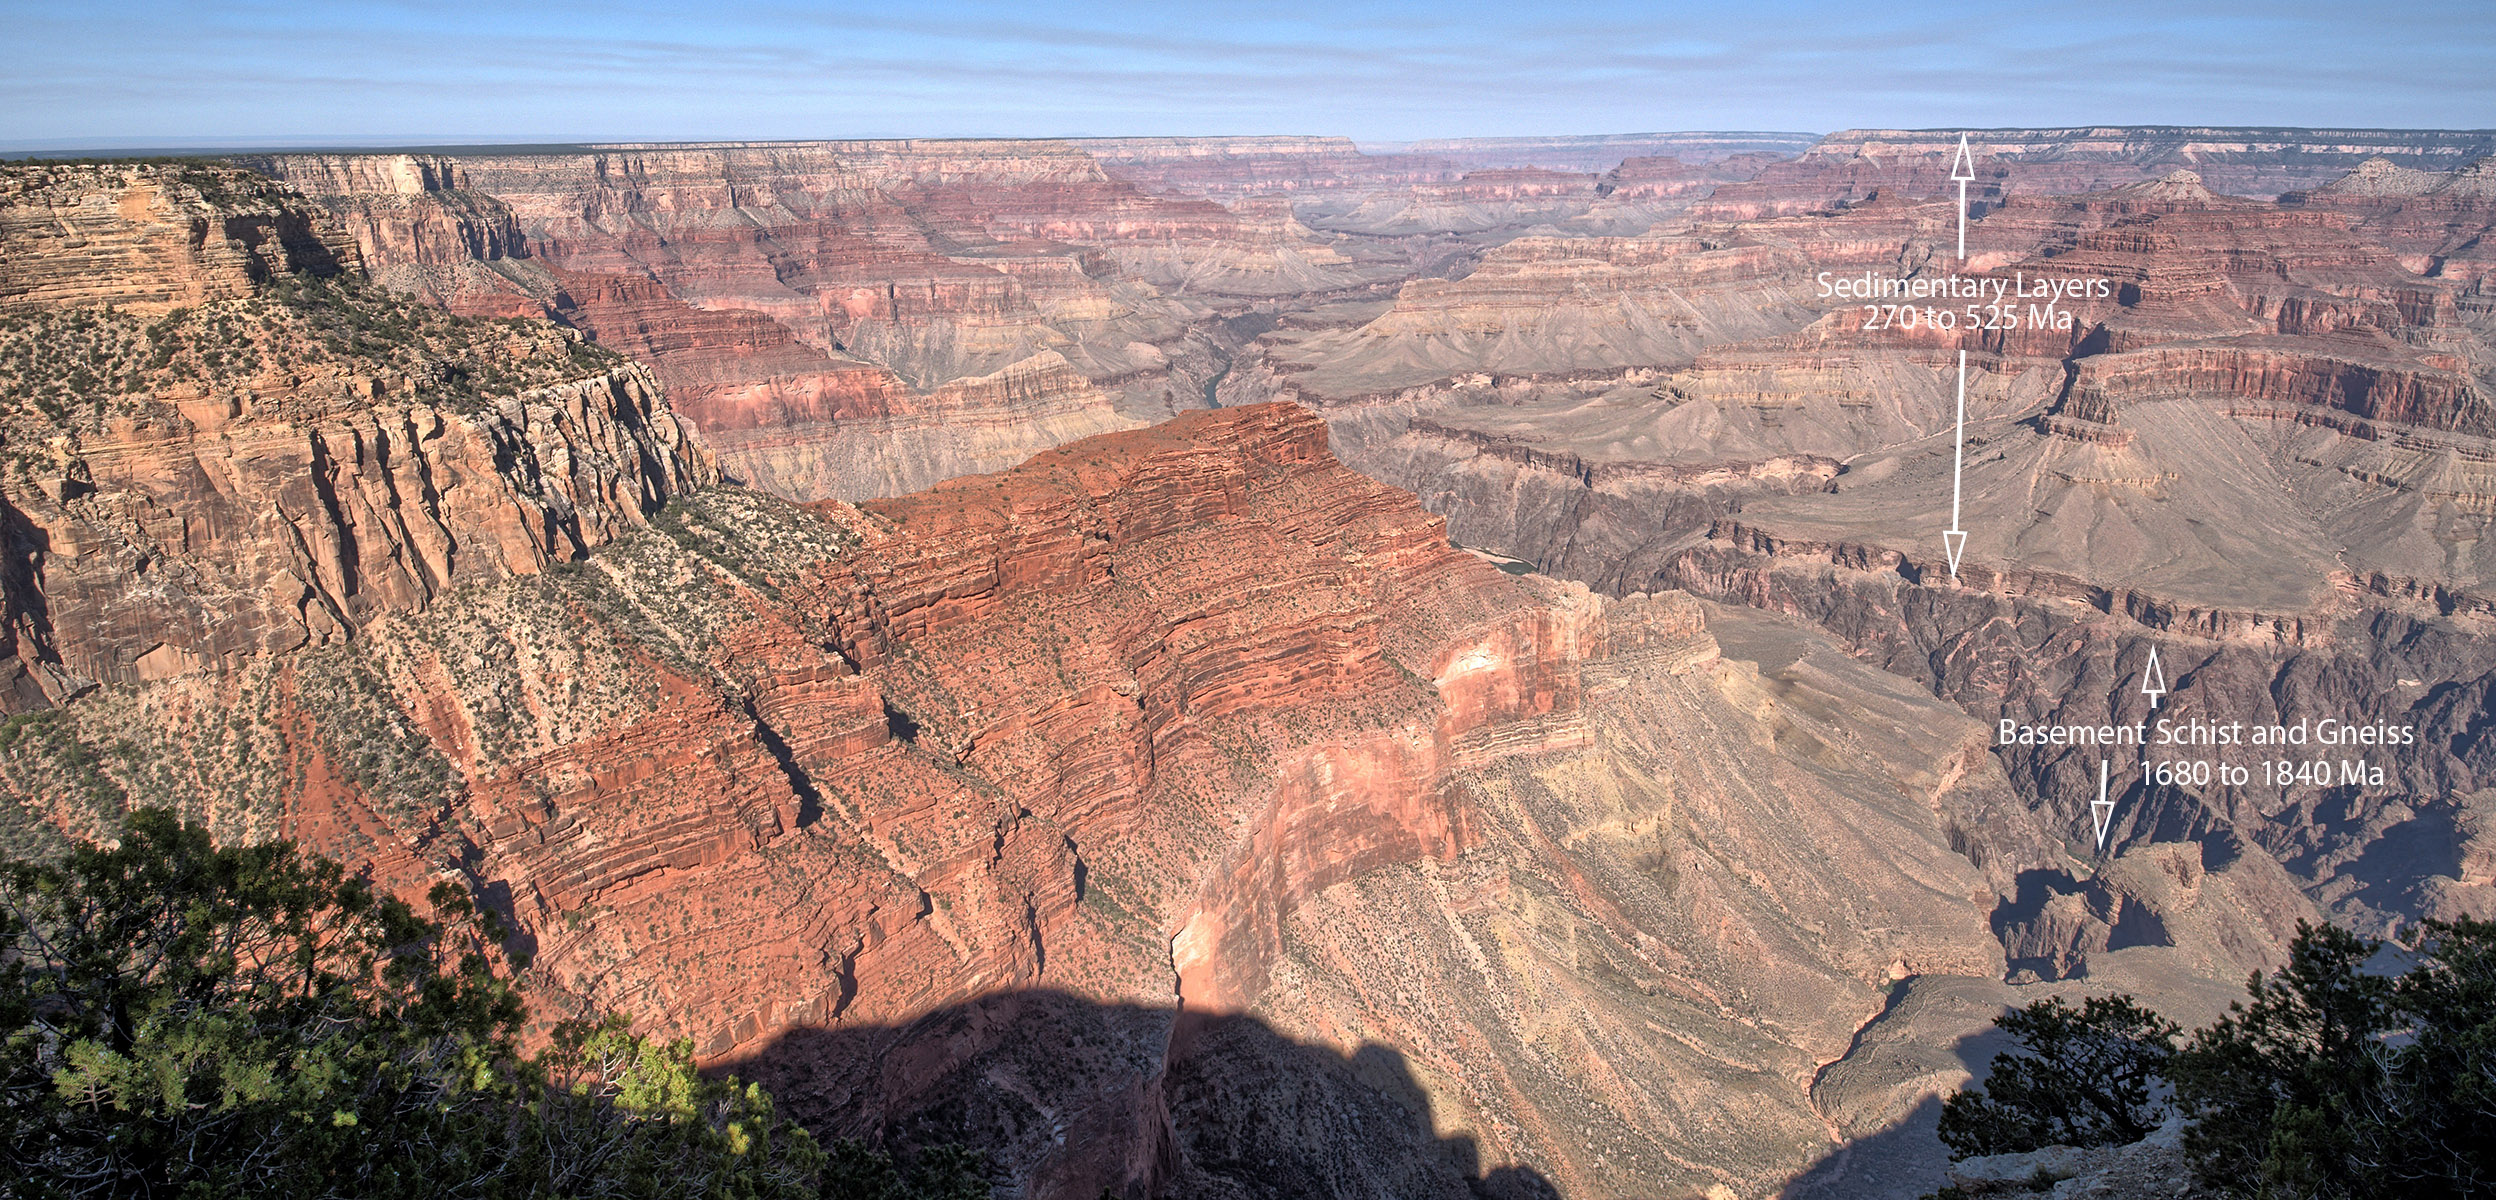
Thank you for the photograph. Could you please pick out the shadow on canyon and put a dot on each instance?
(1073, 1099)
(1903, 1161)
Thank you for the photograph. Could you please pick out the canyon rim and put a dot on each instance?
(1279, 666)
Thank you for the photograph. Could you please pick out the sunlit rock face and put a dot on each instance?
(884, 679)
(1161, 732)
(2259, 444)
(193, 485)
(860, 319)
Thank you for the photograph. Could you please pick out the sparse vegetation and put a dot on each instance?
(2334, 1080)
(372, 740)
(48, 744)
(2089, 1076)
(302, 338)
(78, 365)
(186, 1019)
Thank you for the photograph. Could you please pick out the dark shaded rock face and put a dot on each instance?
(1226, 1108)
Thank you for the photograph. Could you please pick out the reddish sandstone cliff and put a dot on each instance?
(286, 456)
(1158, 720)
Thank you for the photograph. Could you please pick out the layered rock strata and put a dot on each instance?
(772, 276)
(991, 812)
(288, 455)
(2261, 449)
(790, 277)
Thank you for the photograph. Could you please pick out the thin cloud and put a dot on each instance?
(1375, 71)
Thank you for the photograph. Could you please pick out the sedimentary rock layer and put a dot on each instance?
(2261, 447)
(288, 455)
(990, 811)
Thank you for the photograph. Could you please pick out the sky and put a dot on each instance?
(362, 72)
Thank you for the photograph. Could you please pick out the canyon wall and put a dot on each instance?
(148, 240)
(258, 469)
(814, 305)
(876, 302)
(1093, 813)
(1159, 732)
(2262, 450)
(1175, 810)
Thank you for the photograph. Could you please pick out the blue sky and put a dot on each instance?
(359, 71)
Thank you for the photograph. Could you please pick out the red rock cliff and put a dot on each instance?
(289, 454)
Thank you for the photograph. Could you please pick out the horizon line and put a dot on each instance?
(214, 147)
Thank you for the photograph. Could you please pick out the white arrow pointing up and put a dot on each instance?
(2102, 808)
(1963, 170)
(2153, 680)
(1954, 539)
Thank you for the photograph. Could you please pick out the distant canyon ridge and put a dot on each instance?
(1254, 667)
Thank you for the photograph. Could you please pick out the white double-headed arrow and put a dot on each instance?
(1963, 171)
(2102, 808)
(1954, 539)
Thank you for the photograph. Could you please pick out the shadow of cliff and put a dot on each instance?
(1072, 1099)
(1902, 1160)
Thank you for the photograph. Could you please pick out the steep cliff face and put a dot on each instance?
(988, 812)
(792, 279)
(147, 239)
(423, 228)
(284, 458)
(807, 424)
(1179, 812)
(939, 262)
(2262, 450)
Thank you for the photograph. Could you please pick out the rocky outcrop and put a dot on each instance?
(423, 228)
(989, 812)
(2155, 1166)
(762, 279)
(221, 484)
(800, 422)
(2438, 221)
(148, 239)
(195, 542)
